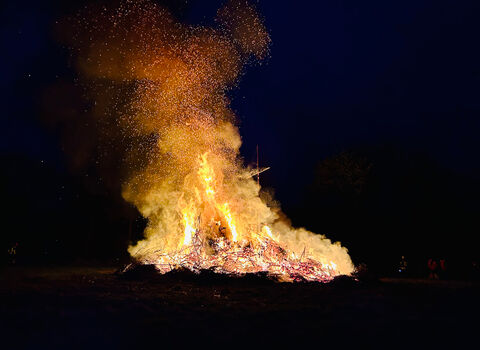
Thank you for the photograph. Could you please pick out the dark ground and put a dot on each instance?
(78, 307)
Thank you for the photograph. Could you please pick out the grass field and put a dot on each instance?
(75, 307)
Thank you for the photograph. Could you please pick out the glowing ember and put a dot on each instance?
(160, 95)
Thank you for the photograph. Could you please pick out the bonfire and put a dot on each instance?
(216, 246)
(159, 91)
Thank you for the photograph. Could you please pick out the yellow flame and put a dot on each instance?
(189, 222)
(207, 175)
(230, 222)
(268, 231)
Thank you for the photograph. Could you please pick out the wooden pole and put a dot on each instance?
(258, 170)
(258, 183)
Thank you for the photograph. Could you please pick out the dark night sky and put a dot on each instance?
(342, 75)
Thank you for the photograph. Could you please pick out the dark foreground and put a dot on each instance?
(92, 308)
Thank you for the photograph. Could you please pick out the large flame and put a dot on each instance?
(211, 239)
(163, 86)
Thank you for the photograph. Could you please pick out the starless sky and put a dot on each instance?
(342, 74)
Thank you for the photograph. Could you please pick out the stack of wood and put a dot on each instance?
(223, 256)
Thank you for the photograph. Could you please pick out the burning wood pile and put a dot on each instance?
(221, 256)
(213, 238)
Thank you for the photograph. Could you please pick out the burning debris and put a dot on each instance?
(159, 91)
(269, 258)
(209, 245)
(218, 248)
